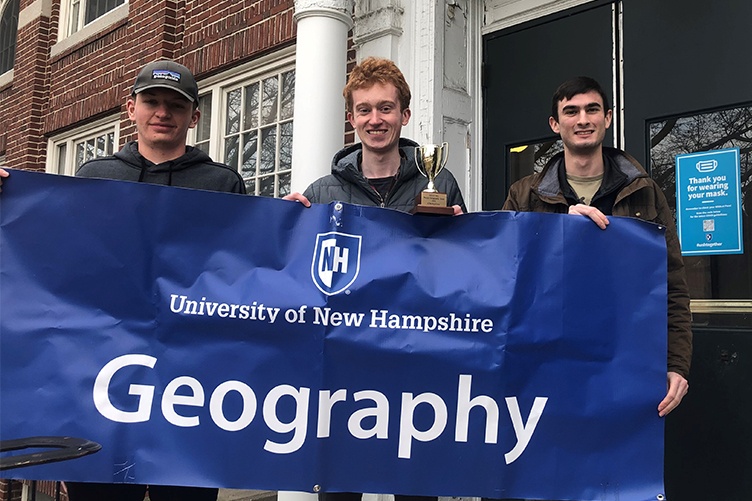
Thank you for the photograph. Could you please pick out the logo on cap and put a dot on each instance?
(173, 76)
(336, 261)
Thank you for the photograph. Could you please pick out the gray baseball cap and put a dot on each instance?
(167, 75)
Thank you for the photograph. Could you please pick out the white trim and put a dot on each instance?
(474, 187)
(6, 78)
(502, 14)
(620, 141)
(39, 8)
(65, 41)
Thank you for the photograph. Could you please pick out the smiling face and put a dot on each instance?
(377, 117)
(582, 122)
(162, 118)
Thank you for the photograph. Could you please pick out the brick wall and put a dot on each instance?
(93, 78)
(10, 490)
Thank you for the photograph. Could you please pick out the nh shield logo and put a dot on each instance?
(336, 261)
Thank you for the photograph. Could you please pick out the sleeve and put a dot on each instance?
(679, 313)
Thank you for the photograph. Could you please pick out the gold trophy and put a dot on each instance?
(431, 159)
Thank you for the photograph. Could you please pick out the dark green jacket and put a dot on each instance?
(627, 190)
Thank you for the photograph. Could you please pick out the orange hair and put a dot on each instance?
(373, 70)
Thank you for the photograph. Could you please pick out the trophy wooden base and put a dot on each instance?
(432, 203)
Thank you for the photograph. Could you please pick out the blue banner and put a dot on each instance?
(225, 340)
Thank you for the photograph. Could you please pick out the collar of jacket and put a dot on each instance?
(621, 170)
(346, 163)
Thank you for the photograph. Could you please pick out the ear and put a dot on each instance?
(194, 118)
(350, 119)
(609, 117)
(553, 124)
(406, 116)
(130, 106)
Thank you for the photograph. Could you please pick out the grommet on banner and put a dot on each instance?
(317, 488)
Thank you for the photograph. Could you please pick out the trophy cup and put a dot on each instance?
(431, 158)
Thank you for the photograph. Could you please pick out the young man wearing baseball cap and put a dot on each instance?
(163, 105)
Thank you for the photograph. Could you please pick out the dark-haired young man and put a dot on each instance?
(590, 179)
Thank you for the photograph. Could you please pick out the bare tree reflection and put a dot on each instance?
(710, 277)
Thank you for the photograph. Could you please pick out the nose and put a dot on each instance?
(583, 117)
(163, 110)
(374, 116)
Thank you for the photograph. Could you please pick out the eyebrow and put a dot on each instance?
(594, 104)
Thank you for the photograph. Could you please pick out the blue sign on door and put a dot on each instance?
(708, 202)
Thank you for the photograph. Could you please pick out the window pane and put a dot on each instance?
(251, 120)
(285, 146)
(101, 146)
(269, 101)
(74, 17)
(287, 95)
(79, 154)
(233, 112)
(716, 276)
(268, 150)
(203, 127)
(89, 150)
(231, 151)
(62, 153)
(531, 158)
(266, 186)
(284, 184)
(98, 8)
(250, 186)
(250, 147)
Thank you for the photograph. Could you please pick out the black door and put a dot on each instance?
(688, 85)
(521, 69)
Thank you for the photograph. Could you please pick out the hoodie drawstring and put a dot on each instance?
(144, 169)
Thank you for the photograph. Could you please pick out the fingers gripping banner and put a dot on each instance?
(197, 338)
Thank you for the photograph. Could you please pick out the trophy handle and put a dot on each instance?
(445, 156)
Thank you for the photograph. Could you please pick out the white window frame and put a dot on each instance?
(71, 138)
(66, 39)
(219, 85)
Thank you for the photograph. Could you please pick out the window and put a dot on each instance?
(716, 277)
(527, 159)
(84, 12)
(67, 154)
(8, 29)
(247, 124)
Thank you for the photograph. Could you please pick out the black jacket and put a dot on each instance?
(193, 170)
(347, 184)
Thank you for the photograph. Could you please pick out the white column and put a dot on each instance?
(319, 115)
(320, 73)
